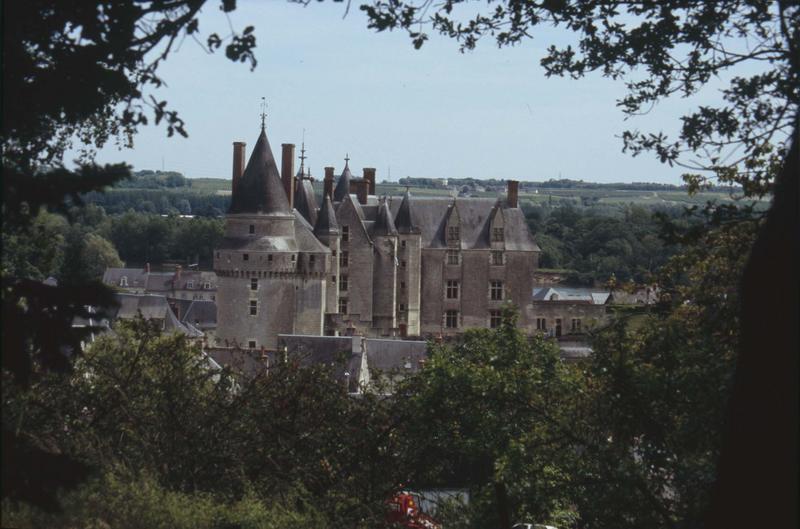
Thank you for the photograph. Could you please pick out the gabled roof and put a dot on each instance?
(259, 189)
(429, 214)
(384, 225)
(304, 200)
(403, 221)
(343, 185)
(326, 219)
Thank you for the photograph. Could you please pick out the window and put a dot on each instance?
(294, 257)
(495, 318)
(245, 257)
(251, 344)
(344, 259)
(207, 286)
(497, 258)
(253, 307)
(123, 281)
(343, 282)
(252, 228)
(402, 264)
(333, 279)
(269, 258)
(342, 306)
(497, 234)
(452, 290)
(541, 324)
(402, 244)
(496, 290)
(345, 233)
(558, 326)
(576, 325)
(451, 319)
(452, 233)
(311, 258)
(402, 307)
(253, 283)
(452, 257)
(190, 284)
(402, 285)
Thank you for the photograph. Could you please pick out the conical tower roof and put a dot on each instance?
(326, 219)
(343, 185)
(403, 219)
(259, 189)
(304, 200)
(384, 225)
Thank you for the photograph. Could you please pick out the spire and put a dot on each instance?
(384, 225)
(260, 189)
(302, 172)
(326, 219)
(343, 185)
(263, 112)
(403, 219)
(304, 200)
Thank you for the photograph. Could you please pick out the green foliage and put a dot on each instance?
(125, 500)
(626, 243)
(486, 414)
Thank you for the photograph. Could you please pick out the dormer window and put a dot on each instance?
(269, 258)
(345, 233)
(190, 284)
(245, 257)
(497, 258)
(497, 235)
(453, 233)
(123, 281)
(252, 229)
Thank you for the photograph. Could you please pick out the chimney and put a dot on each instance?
(362, 190)
(328, 183)
(287, 171)
(513, 193)
(238, 163)
(178, 274)
(369, 176)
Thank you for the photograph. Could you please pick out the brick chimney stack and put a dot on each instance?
(238, 163)
(513, 193)
(287, 171)
(328, 183)
(369, 176)
(362, 190)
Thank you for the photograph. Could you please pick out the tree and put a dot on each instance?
(485, 414)
(660, 49)
(74, 71)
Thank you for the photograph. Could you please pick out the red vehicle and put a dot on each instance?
(404, 510)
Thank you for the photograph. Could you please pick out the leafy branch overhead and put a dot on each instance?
(659, 49)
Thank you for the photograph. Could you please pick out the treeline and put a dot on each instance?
(180, 201)
(80, 250)
(560, 183)
(154, 180)
(596, 243)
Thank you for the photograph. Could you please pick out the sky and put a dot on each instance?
(433, 112)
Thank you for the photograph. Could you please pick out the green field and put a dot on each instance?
(606, 195)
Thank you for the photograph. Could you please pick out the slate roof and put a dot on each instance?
(342, 188)
(552, 294)
(304, 236)
(244, 361)
(429, 214)
(259, 189)
(305, 202)
(403, 219)
(202, 314)
(403, 356)
(137, 278)
(152, 307)
(341, 352)
(326, 220)
(384, 224)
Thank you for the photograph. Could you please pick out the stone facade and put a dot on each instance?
(361, 264)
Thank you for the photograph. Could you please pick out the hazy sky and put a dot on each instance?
(433, 112)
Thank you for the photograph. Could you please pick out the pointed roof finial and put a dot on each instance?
(303, 155)
(263, 111)
(346, 159)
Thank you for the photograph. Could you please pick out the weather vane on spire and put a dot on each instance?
(263, 111)
(346, 158)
